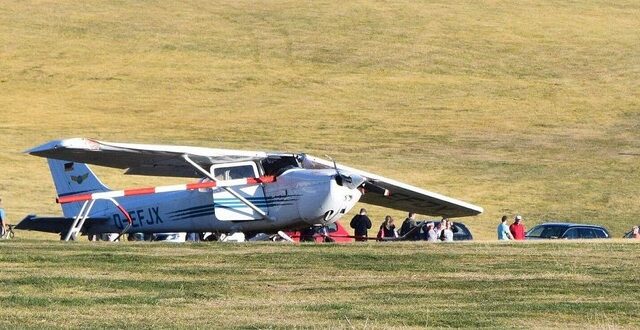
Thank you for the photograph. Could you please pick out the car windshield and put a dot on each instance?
(331, 228)
(546, 231)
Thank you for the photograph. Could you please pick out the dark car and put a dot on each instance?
(460, 231)
(566, 231)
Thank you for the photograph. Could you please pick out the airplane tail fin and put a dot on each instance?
(74, 178)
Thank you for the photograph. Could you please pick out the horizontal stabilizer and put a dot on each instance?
(54, 225)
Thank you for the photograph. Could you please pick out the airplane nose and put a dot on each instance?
(330, 200)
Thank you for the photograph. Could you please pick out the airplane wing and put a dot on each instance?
(393, 194)
(141, 159)
(166, 160)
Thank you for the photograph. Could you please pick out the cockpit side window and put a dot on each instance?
(234, 171)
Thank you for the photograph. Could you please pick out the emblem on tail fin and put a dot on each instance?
(79, 178)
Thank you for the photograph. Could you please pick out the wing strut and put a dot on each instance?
(228, 189)
(76, 226)
(78, 222)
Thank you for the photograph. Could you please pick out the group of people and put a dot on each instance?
(410, 229)
(515, 231)
(438, 231)
(431, 231)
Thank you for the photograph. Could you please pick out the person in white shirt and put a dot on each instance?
(431, 234)
(447, 232)
(504, 234)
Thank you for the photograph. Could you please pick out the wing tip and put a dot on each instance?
(77, 142)
(44, 148)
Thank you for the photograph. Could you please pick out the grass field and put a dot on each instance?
(529, 107)
(377, 286)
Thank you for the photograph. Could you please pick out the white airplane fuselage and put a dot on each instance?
(298, 198)
(238, 191)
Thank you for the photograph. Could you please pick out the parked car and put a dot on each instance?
(460, 231)
(335, 232)
(566, 231)
(170, 237)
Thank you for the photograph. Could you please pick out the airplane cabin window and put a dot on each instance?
(276, 165)
(234, 172)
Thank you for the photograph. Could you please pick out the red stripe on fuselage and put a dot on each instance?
(152, 190)
(201, 185)
(74, 198)
(262, 179)
(139, 191)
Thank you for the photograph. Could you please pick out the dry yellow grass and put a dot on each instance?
(517, 107)
(370, 285)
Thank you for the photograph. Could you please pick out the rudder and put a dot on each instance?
(72, 178)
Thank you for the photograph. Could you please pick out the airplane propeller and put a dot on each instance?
(352, 181)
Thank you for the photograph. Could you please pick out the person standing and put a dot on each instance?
(431, 235)
(408, 224)
(360, 224)
(447, 232)
(517, 229)
(439, 227)
(387, 229)
(3, 220)
(503, 230)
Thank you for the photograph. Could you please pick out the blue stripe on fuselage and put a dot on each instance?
(230, 203)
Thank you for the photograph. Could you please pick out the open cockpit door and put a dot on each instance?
(230, 208)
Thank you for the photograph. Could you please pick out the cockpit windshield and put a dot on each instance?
(276, 165)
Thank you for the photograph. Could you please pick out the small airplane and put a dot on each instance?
(236, 192)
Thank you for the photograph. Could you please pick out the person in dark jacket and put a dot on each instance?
(387, 229)
(408, 224)
(360, 224)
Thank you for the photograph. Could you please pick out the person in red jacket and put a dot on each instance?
(517, 228)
